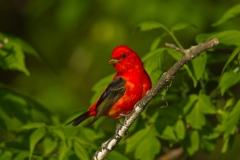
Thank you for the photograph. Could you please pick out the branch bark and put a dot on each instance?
(121, 131)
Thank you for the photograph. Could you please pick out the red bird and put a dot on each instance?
(128, 86)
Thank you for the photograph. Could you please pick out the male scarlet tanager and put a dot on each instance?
(127, 87)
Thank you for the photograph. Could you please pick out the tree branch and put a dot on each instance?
(189, 54)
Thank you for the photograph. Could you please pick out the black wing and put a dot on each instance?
(113, 92)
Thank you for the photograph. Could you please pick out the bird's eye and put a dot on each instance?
(124, 55)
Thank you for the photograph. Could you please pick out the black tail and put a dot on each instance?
(79, 119)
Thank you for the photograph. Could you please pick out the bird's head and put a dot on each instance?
(124, 59)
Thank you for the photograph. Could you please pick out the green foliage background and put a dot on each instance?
(53, 68)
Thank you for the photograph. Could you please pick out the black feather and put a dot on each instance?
(113, 92)
(79, 119)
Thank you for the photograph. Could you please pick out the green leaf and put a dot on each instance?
(3, 124)
(207, 146)
(14, 106)
(180, 129)
(24, 45)
(206, 104)
(114, 155)
(191, 101)
(233, 55)
(57, 131)
(227, 144)
(22, 155)
(191, 144)
(195, 117)
(229, 37)
(233, 12)
(174, 54)
(135, 140)
(154, 61)
(12, 58)
(20, 106)
(85, 142)
(227, 80)
(35, 137)
(49, 145)
(232, 119)
(146, 26)
(80, 151)
(155, 75)
(32, 125)
(6, 155)
(168, 133)
(196, 67)
(63, 150)
(179, 26)
(156, 42)
(148, 147)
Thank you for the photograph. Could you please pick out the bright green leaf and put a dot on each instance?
(58, 131)
(179, 26)
(229, 103)
(180, 129)
(80, 151)
(196, 67)
(229, 37)
(114, 155)
(206, 104)
(153, 61)
(191, 144)
(24, 45)
(174, 54)
(135, 140)
(227, 80)
(148, 147)
(63, 150)
(233, 55)
(146, 26)
(195, 117)
(168, 133)
(233, 118)
(32, 125)
(156, 42)
(227, 143)
(12, 58)
(85, 142)
(49, 145)
(191, 100)
(35, 137)
(155, 75)
(233, 12)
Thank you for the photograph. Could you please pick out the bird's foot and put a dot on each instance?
(123, 115)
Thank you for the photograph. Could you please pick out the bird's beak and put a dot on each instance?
(113, 61)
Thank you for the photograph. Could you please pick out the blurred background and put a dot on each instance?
(75, 38)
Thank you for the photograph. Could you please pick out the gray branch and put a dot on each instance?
(121, 131)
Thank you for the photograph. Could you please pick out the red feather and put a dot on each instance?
(128, 86)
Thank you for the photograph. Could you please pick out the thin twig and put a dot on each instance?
(121, 131)
(172, 154)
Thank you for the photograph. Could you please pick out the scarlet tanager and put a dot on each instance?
(127, 87)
